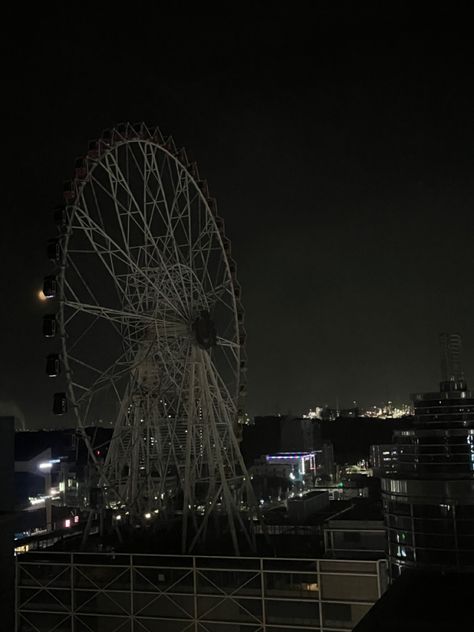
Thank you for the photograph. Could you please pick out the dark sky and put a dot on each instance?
(338, 142)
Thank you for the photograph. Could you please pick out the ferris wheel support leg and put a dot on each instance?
(251, 498)
(189, 440)
(229, 504)
(87, 530)
(203, 525)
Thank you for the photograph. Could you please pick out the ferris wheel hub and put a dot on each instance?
(204, 331)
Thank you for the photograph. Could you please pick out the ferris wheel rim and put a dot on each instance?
(71, 205)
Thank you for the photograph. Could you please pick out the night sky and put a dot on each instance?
(338, 143)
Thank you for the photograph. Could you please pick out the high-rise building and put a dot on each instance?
(428, 476)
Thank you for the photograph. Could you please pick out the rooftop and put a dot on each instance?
(362, 510)
(423, 602)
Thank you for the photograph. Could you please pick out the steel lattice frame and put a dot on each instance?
(60, 592)
(152, 331)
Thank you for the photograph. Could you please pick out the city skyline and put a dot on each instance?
(236, 379)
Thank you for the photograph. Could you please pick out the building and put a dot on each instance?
(139, 584)
(277, 476)
(328, 464)
(7, 521)
(269, 435)
(299, 434)
(356, 533)
(302, 506)
(427, 476)
(352, 438)
(299, 466)
(108, 592)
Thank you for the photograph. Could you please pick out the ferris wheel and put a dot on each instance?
(151, 332)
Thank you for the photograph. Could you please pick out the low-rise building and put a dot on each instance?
(163, 593)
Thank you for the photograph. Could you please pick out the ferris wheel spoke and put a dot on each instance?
(227, 361)
(204, 247)
(189, 246)
(125, 363)
(204, 239)
(123, 258)
(83, 333)
(219, 291)
(150, 201)
(169, 241)
(107, 379)
(120, 363)
(175, 222)
(83, 210)
(135, 209)
(179, 218)
(220, 388)
(114, 182)
(70, 290)
(115, 171)
(103, 254)
(174, 218)
(221, 282)
(76, 361)
(120, 209)
(157, 200)
(123, 317)
(229, 344)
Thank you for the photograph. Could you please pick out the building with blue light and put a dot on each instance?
(298, 466)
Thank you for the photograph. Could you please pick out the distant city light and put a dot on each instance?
(314, 414)
(388, 410)
(47, 465)
(147, 516)
(37, 501)
(385, 411)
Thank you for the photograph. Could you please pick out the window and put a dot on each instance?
(337, 614)
(351, 536)
(292, 612)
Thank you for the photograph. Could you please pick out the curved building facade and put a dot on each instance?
(428, 476)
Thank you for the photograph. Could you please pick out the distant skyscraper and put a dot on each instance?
(452, 372)
(428, 476)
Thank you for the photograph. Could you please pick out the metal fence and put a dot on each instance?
(93, 592)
